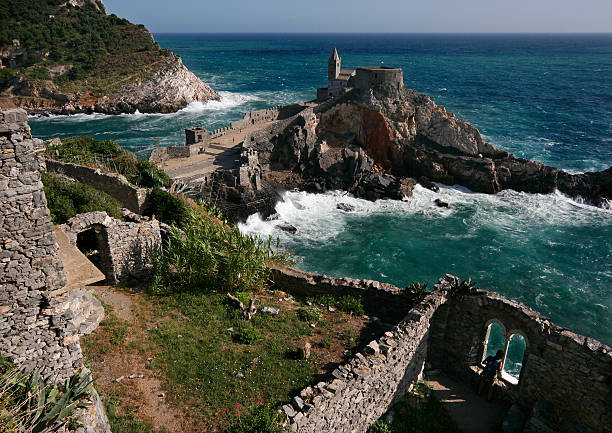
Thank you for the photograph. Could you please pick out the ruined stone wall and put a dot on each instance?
(448, 330)
(559, 367)
(35, 326)
(255, 117)
(363, 389)
(381, 300)
(125, 246)
(115, 185)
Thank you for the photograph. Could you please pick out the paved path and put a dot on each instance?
(471, 412)
(222, 152)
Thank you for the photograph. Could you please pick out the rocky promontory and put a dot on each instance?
(380, 142)
(74, 58)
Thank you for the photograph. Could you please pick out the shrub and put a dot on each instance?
(380, 426)
(205, 255)
(261, 420)
(247, 336)
(66, 199)
(417, 290)
(347, 304)
(167, 208)
(28, 405)
(310, 314)
(6, 77)
(109, 155)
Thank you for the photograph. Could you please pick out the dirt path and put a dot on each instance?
(127, 373)
(471, 412)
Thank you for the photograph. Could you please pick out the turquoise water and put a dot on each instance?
(544, 97)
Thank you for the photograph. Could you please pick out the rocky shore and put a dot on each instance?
(378, 144)
(91, 63)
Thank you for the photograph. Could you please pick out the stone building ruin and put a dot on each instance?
(120, 249)
(448, 331)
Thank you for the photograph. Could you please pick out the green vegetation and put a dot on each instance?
(101, 48)
(124, 423)
(248, 336)
(108, 155)
(261, 420)
(310, 314)
(347, 304)
(420, 412)
(226, 381)
(167, 208)
(207, 255)
(417, 290)
(27, 404)
(6, 77)
(66, 199)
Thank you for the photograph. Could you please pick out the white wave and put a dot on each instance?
(228, 100)
(318, 219)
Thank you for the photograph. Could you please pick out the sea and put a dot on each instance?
(546, 97)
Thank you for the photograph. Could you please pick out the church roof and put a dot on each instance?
(345, 74)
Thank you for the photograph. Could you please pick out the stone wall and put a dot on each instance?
(381, 300)
(35, 326)
(124, 246)
(362, 390)
(115, 185)
(559, 367)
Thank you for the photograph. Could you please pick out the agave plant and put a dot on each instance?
(31, 406)
(417, 290)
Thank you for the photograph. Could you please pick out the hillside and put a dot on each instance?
(70, 56)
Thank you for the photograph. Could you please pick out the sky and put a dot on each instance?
(367, 16)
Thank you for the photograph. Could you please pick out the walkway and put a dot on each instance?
(471, 412)
(222, 152)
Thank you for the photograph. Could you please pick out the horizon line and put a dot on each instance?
(380, 33)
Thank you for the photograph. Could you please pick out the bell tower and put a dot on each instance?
(333, 66)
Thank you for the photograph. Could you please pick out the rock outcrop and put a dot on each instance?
(375, 143)
(93, 62)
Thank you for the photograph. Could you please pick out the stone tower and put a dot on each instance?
(333, 66)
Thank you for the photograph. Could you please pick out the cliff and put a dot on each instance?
(67, 57)
(377, 143)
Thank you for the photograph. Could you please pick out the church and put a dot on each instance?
(341, 80)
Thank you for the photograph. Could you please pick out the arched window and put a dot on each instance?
(513, 363)
(495, 339)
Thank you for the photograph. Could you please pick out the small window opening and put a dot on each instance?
(495, 339)
(513, 363)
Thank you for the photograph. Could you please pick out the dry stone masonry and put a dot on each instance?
(447, 330)
(35, 327)
(124, 246)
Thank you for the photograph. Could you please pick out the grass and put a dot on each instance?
(108, 155)
(217, 373)
(217, 382)
(347, 304)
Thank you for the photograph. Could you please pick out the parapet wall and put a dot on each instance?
(125, 247)
(35, 326)
(115, 185)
